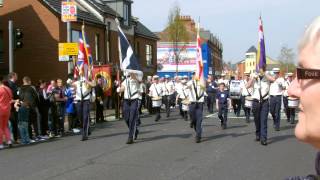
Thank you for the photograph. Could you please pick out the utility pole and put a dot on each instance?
(11, 46)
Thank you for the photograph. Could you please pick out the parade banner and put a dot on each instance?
(105, 72)
(166, 57)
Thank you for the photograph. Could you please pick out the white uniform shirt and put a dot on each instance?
(142, 90)
(226, 83)
(245, 91)
(168, 88)
(196, 85)
(286, 86)
(183, 92)
(276, 87)
(86, 90)
(178, 87)
(262, 86)
(131, 89)
(155, 90)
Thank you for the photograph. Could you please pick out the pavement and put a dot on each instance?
(165, 150)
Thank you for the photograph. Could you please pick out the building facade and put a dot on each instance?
(40, 22)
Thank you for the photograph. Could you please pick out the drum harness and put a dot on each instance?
(129, 93)
(197, 96)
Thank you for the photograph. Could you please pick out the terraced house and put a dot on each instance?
(42, 28)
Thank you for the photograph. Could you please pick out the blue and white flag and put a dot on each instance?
(128, 61)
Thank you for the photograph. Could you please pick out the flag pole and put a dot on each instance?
(86, 49)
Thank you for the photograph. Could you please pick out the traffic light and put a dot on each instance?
(18, 35)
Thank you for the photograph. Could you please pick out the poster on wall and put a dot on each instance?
(166, 57)
(105, 72)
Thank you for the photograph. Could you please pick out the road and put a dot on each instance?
(165, 150)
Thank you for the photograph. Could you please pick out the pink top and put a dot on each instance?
(5, 99)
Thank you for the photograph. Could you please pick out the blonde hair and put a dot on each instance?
(311, 34)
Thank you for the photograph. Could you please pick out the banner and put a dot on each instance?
(166, 57)
(66, 50)
(105, 72)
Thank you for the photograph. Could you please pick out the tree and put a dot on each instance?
(177, 33)
(286, 59)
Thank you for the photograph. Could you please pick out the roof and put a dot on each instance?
(252, 49)
(144, 31)
(103, 7)
(55, 5)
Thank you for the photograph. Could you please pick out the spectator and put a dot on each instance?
(5, 108)
(60, 103)
(70, 107)
(52, 113)
(43, 107)
(29, 96)
(13, 77)
(23, 109)
(99, 99)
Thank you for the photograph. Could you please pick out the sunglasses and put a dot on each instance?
(303, 73)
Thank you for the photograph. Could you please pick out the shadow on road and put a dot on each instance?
(154, 124)
(280, 138)
(182, 136)
(116, 134)
(234, 135)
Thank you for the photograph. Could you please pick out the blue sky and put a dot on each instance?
(236, 21)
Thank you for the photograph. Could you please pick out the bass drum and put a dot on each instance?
(235, 89)
(293, 102)
(248, 102)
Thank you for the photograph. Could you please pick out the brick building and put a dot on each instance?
(40, 22)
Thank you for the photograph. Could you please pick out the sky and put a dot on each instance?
(235, 22)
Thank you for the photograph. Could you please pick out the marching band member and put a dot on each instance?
(178, 88)
(155, 92)
(196, 98)
(246, 93)
(131, 88)
(168, 92)
(182, 99)
(261, 86)
(211, 90)
(290, 112)
(84, 93)
(223, 80)
(276, 89)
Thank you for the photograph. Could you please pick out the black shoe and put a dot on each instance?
(257, 138)
(264, 142)
(277, 129)
(292, 123)
(10, 145)
(130, 141)
(288, 120)
(84, 138)
(191, 125)
(198, 139)
(136, 134)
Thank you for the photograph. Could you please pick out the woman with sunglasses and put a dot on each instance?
(306, 87)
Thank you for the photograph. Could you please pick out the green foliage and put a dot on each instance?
(177, 32)
(286, 59)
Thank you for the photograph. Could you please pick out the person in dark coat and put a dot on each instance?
(12, 79)
(99, 100)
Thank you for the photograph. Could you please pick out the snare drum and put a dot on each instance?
(235, 89)
(248, 102)
(293, 102)
(156, 102)
(185, 105)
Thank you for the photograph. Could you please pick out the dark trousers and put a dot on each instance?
(236, 104)
(196, 115)
(61, 116)
(157, 111)
(44, 119)
(149, 104)
(260, 113)
(245, 109)
(210, 102)
(131, 115)
(166, 102)
(99, 111)
(34, 122)
(83, 110)
(275, 108)
(290, 112)
(14, 124)
(223, 113)
(180, 107)
(139, 112)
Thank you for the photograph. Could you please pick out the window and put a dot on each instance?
(75, 35)
(96, 46)
(126, 14)
(149, 55)
(1, 3)
(1, 47)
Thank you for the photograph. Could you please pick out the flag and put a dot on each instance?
(84, 64)
(128, 61)
(199, 70)
(261, 54)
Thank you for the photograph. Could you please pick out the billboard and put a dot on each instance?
(166, 57)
